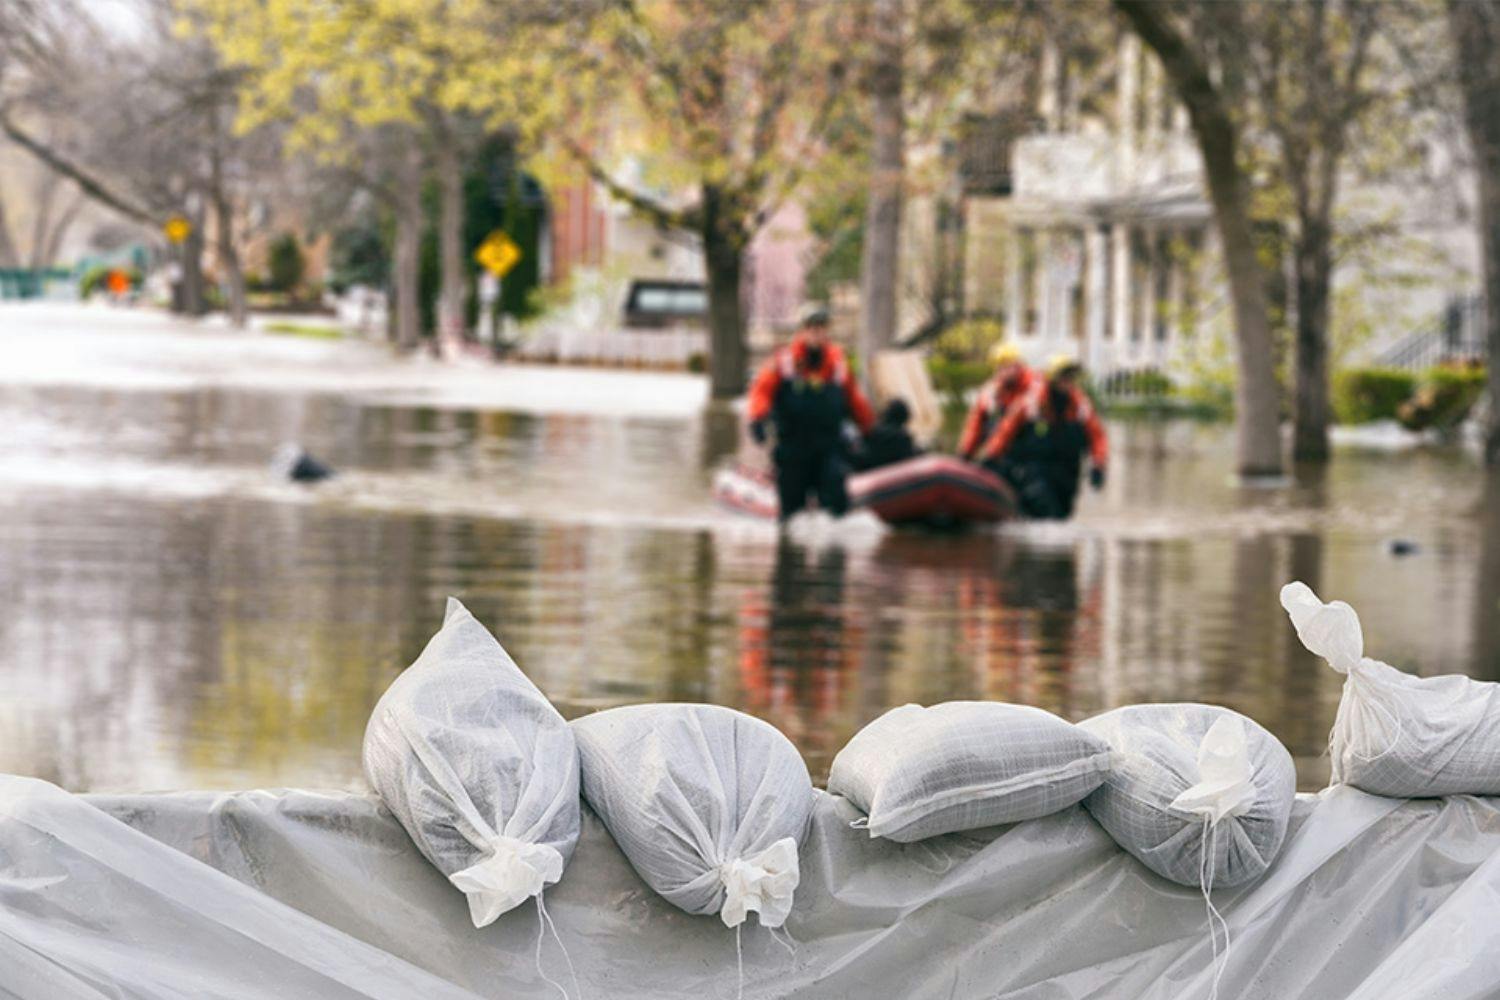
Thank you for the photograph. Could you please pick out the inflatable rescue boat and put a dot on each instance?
(937, 491)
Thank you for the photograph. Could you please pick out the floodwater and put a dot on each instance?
(175, 617)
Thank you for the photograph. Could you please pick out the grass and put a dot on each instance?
(309, 330)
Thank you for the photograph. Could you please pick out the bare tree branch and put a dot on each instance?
(662, 215)
(95, 188)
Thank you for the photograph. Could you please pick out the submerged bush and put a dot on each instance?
(1444, 398)
(1364, 395)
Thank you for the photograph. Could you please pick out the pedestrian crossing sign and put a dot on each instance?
(498, 253)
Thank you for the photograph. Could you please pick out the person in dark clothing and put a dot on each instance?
(1040, 445)
(888, 441)
(806, 392)
(1012, 382)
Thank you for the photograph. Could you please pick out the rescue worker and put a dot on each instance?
(889, 441)
(1040, 443)
(806, 392)
(1011, 381)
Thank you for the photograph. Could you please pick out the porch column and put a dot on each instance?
(1015, 294)
(1177, 298)
(1119, 234)
(1096, 287)
(1045, 287)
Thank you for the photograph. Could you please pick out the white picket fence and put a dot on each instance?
(644, 348)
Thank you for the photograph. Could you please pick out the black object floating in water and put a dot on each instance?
(1402, 547)
(295, 463)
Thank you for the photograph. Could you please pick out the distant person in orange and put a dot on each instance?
(1011, 381)
(117, 282)
(1040, 444)
(805, 391)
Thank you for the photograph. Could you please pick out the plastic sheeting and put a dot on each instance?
(297, 894)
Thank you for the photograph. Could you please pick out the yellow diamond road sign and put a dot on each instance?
(176, 229)
(498, 253)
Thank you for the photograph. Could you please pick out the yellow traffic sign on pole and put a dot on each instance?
(498, 253)
(177, 229)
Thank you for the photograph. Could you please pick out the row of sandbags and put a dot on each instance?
(709, 805)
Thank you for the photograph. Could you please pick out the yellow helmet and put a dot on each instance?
(1060, 363)
(1005, 353)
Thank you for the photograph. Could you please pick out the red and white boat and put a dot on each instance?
(937, 491)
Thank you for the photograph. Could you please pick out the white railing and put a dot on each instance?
(646, 348)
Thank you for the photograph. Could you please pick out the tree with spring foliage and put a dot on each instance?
(1220, 136)
(386, 91)
(1287, 101)
(1307, 70)
(729, 104)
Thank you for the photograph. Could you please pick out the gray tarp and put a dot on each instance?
(300, 894)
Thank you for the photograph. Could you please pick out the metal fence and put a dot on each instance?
(43, 283)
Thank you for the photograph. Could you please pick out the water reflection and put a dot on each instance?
(175, 619)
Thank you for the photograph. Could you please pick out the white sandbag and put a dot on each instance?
(708, 804)
(1397, 734)
(478, 766)
(918, 772)
(1198, 793)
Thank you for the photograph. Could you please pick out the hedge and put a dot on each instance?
(1364, 395)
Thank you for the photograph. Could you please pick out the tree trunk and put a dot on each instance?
(880, 264)
(724, 259)
(1257, 417)
(52, 249)
(1475, 25)
(229, 260)
(190, 300)
(451, 326)
(1314, 268)
(8, 255)
(45, 199)
(233, 277)
(405, 313)
(1485, 652)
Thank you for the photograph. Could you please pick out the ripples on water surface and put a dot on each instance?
(174, 617)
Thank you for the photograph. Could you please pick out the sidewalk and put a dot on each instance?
(80, 344)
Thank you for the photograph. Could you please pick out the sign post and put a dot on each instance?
(177, 229)
(489, 294)
(497, 255)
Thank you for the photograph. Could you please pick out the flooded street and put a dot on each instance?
(173, 616)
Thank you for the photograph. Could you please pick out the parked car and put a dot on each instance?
(653, 304)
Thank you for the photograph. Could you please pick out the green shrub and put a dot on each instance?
(1364, 395)
(284, 263)
(955, 378)
(93, 279)
(1444, 398)
(1467, 378)
(969, 339)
